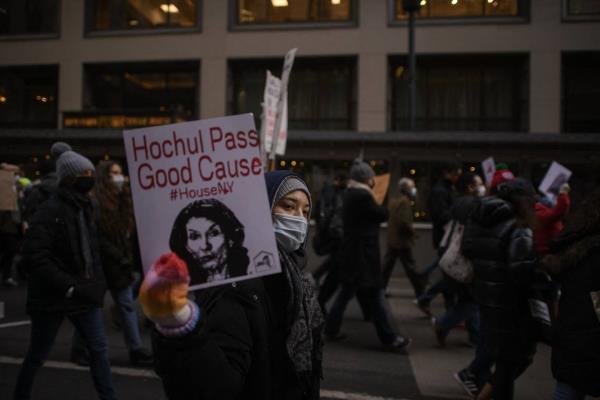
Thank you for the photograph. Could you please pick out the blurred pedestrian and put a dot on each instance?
(254, 339)
(361, 268)
(62, 255)
(401, 236)
(10, 229)
(549, 217)
(575, 262)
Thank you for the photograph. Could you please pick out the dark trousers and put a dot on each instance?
(9, 245)
(44, 328)
(375, 301)
(408, 263)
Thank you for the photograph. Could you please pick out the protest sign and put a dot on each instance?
(288, 62)
(489, 168)
(382, 183)
(270, 102)
(556, 176)
(199, 191)
(8, 192)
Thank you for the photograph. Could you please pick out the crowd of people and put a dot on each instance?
(504, 254)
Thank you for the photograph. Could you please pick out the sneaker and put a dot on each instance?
(423, 307)
(400, 344)
(440, 337)
(10, 282)
(336, 337)
(467, 381)
(141, 357)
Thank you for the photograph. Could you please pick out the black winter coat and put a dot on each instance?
(53, 257)
(576, 344)
(440, 203)
(360, 259)
(503, 263)
(237, 351)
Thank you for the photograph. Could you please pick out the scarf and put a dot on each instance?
(303, 343)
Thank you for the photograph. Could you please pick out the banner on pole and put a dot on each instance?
(270, 102)
(199, 192)
(281, 114)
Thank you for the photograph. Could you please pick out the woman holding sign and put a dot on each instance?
(254, 339)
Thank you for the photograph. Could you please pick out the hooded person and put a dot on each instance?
(252, 339)
(62, 257)
(361, 267)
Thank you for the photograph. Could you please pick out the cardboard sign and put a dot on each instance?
(8, 191)
(488, 166)
(539, 311)
(270, 102)
(556, 176)
(382, 183)
(199, 191)
(288, 62)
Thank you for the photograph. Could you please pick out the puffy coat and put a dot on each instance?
(53, 256)
(360, 260)
(503, 263)
(576, 345)
(440, 203)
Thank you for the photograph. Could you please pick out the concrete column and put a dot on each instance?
(372, 95)
(213, 87)
(544, 91)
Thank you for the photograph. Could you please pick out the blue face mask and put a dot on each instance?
(290, 231)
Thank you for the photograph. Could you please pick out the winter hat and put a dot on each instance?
(279, 183)
(72, 164)
(58, 148)
(361, 171)
(502, 174)
(163, 296)
(516, 186)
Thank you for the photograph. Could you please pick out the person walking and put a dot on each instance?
(401, 236)
(254, 339)
(549, 219)
(361, 268)
(574, 262)
(62, 256)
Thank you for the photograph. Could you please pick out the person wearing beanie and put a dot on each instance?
(254, 339)
(502, 175)
(62, 258)
(360, 270)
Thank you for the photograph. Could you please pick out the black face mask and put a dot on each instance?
(83, 184)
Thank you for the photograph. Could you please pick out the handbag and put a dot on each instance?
(452, 261)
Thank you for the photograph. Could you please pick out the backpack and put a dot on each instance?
(452, 261)
(330, 229)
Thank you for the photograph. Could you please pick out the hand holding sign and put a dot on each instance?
(555, 178)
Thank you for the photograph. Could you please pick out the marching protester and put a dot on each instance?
(361, 270)
(401, 236)
(499, 242)
(10, 231)
(549, 217)
(575, 262)
(254, 339)
(62, 255)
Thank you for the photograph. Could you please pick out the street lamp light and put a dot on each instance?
(411, 7)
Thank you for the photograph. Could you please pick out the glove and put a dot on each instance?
(163, 297)
(565, 188)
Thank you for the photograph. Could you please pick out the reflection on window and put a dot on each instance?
(28, 97)
(462, 8)
(286, 11)
(454, 93)
(137, 94)
(321, 93)
(581, 91)
(142, 14)
(25, 17)
(583, 7)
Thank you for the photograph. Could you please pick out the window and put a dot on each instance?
(581, 92)
(470, 92)
(28, 97)
(582, 9)
(321, 92)
(137, 15)
(444, 9)
(137, 94)
(254, 12)
(28, 17)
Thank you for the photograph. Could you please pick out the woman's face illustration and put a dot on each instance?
(206, 242)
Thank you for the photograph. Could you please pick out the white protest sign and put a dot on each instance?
(199, 192)
(288, 62)
(270, 102)
(489, 168)
(556, 176)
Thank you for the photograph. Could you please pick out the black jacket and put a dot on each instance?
(38, 194)
(53, 257)
(360, 260)
(440, 203)
(237, 351)
(503, 262)
(576, 344)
